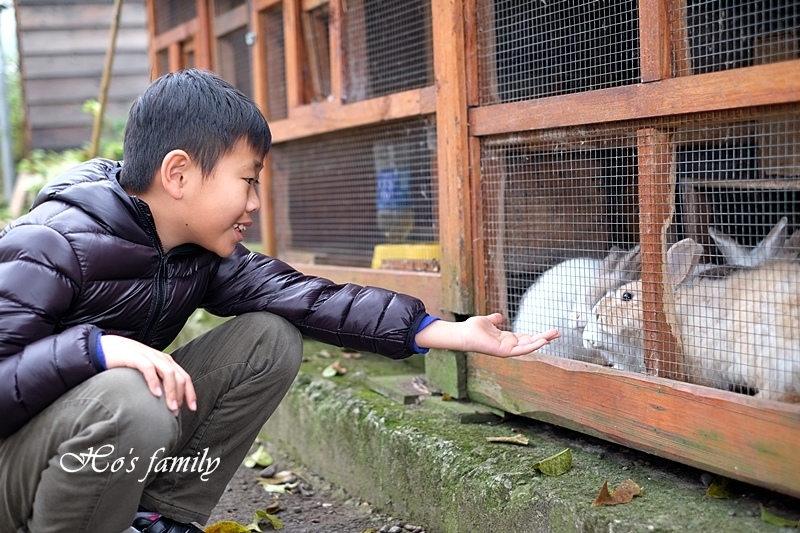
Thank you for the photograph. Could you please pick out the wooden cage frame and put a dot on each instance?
(735, 435)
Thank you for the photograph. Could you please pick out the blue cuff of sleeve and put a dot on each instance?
(101, 357)
(427, 321)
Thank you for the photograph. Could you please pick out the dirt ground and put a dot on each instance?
(313, 506)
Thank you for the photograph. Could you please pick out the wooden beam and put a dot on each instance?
(325, 117)
(427, 286)
(336, 30)
(775, 83)
(654, 40)
(177, 34)
(455, 233)
(203, 55)
(734, 435)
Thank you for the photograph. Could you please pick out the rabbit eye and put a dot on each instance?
(627, 297)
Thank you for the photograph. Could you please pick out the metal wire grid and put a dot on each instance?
(555, 195)
(271, 38)
(327, 192)
(388, 47)
(533, 49)
(233, 60)
(174, 13)
(710, 36)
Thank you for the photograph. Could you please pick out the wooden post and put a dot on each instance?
(654, 40)
(656, 209)
(453, 155)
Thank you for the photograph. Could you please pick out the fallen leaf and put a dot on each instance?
(555, 465)
(273, 508)
(260, 457)
(624, 493)
(351, 355)
(516, 439)
(226, 527)
(323, 353)
(333, 369)
(446, 397)
(721, 488)
(284, 476)
(277, 488)
(275, 522)
(770, 518)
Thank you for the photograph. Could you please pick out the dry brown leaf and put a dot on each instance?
(273, 508)
(284, 476)
(339, 368)
(624, 493)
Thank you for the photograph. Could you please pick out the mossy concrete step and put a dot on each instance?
(422, 462)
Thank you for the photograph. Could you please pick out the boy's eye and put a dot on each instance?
(251, 181)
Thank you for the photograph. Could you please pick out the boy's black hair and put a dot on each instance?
(192, 110)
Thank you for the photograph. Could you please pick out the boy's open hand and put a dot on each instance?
(158, 368)
(480, 334)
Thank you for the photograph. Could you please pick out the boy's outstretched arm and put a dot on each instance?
(480, 334)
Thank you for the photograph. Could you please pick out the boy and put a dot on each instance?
(100, 429)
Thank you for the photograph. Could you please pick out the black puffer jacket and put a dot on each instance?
(87, 259)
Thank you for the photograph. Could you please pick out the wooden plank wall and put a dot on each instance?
(62, 46)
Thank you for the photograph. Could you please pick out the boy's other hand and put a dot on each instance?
(480, 334)
(158, 368)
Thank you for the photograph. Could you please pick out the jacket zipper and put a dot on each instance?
(160, 282)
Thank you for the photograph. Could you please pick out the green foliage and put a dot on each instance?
(15, 109)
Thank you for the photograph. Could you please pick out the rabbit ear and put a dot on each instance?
(791, 248)
(630, 266)
(733, 252)
(773, 242)
(681, 259)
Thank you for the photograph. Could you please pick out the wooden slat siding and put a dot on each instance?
(427, 286)
(656, 209)
(654, 47)
(775, 83)
(294, 55)
(735, 435)
(62, 52)
(455, 236)
(50, 66)
(78, 16)
(260, 5)
(326, 117)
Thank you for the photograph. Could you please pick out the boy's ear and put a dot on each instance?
(173, 167)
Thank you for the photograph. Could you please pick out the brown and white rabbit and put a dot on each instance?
(562, 297)
(741, 330)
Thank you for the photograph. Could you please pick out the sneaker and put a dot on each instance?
(155, 523)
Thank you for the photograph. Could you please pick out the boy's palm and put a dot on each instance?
(482, 335)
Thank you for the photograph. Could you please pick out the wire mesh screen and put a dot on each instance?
(271, 38)
(174, 13)
(338, 197)
(710, 36)
(233, 60)
(562, 220)
(533, 49)
(388, 47)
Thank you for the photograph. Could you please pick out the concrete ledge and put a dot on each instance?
(420, 462)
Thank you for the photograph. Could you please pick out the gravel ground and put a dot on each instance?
(313, 506)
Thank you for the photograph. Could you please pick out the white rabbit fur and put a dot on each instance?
(562, 297)
(734, 331)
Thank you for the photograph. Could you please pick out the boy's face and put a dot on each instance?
(221, 205)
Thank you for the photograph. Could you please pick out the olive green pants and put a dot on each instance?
(107, 446)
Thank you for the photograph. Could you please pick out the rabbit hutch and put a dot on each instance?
(626, 171)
